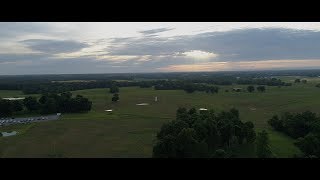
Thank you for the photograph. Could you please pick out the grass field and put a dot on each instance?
(130, 130)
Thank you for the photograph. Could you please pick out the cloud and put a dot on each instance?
(155, 31)
(238, 49)
(54, 46)
(196, 54)
(14, 29)
(244, 65)
(235, 45)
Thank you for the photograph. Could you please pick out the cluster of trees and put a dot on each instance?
(263, 147)
(263, 81)
(146, 84)
(114, 89)
(318, 85)
(202, 134)
(47, 103)
(7, 108)
(65, 103)
(259, 88)
(188, 87)
(305, 127)
(59, 87)
(304, 81)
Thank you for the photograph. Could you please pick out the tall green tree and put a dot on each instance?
(115, 98)
(114, 89)
(5, 108)
(31, 103)
(261, 88)
(250, 88)
(17, 106)
(309, 145)
(263, 147)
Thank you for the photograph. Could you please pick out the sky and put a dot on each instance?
(129, 47)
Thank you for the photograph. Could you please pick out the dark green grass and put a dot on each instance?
(130, 130)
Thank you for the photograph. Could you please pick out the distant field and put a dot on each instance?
(11, 93)
(130, 130)
(72, 81)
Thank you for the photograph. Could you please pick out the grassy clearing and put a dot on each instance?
(129, 131)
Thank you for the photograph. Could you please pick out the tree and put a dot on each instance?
(49, 106)
(181, 114)
(114, 89)
(115, 97)
(165, 148)
(263, 147)
(5, 108)
(261, 88)
(195, 134)
(309, 145)
(249, 132)
(297, 81)
(186, 143)
(250, 88)
(304, 81)
(276, 123)
(31, 103)
(17, 106)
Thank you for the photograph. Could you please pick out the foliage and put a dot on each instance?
(263, 147)
(297, 81)
(115, 97)
(305, 127)
(250, 88)
(114, 89)
(261, 88)
(201, 134)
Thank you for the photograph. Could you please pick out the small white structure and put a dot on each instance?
(58, 114)
(142, 104)
(14, 99)
(5, 134)
(108, 110)
(156, 99)
(203, 109)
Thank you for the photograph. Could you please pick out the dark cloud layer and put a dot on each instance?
(54, 46)
(237, 45)
(231, 46)
(155, 31)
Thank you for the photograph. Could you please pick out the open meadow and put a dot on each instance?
(130, 130)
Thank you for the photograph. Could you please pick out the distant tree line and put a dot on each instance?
(40, 85)
(259, 88)
(263, 81)
(305, 127)
(188, 87)
(202, 134)
(304, 81)
(47, 103)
